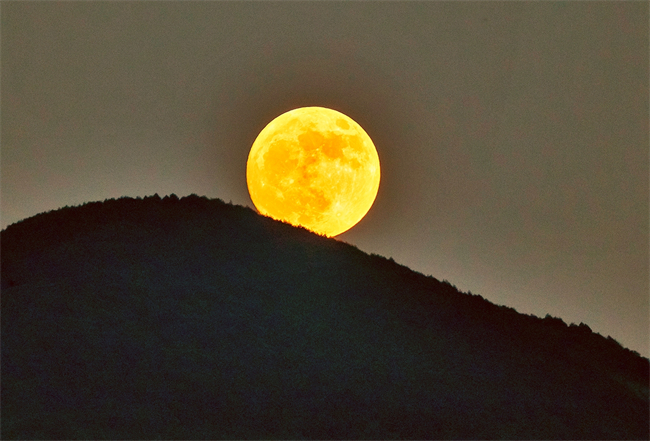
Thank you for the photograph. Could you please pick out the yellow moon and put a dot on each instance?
(314, 167)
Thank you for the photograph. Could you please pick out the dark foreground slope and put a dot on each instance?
(195, 319)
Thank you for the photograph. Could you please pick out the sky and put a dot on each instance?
(513, 136)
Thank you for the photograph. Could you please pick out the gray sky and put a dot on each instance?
(513, 136)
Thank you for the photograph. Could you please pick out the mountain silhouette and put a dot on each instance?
(195, 319)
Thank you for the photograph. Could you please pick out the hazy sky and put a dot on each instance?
(513, 136)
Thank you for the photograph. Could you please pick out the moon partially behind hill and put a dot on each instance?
(314, 167)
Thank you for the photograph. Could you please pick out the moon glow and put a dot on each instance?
(314, 167)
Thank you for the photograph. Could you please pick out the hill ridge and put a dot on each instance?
(177, 258)
(39, 221)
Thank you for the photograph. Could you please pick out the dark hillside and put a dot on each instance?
(195, 319)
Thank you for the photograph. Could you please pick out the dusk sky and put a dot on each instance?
(513, 136)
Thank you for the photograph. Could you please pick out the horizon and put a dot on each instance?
(175, 198)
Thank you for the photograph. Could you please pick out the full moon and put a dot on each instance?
(313, 167)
